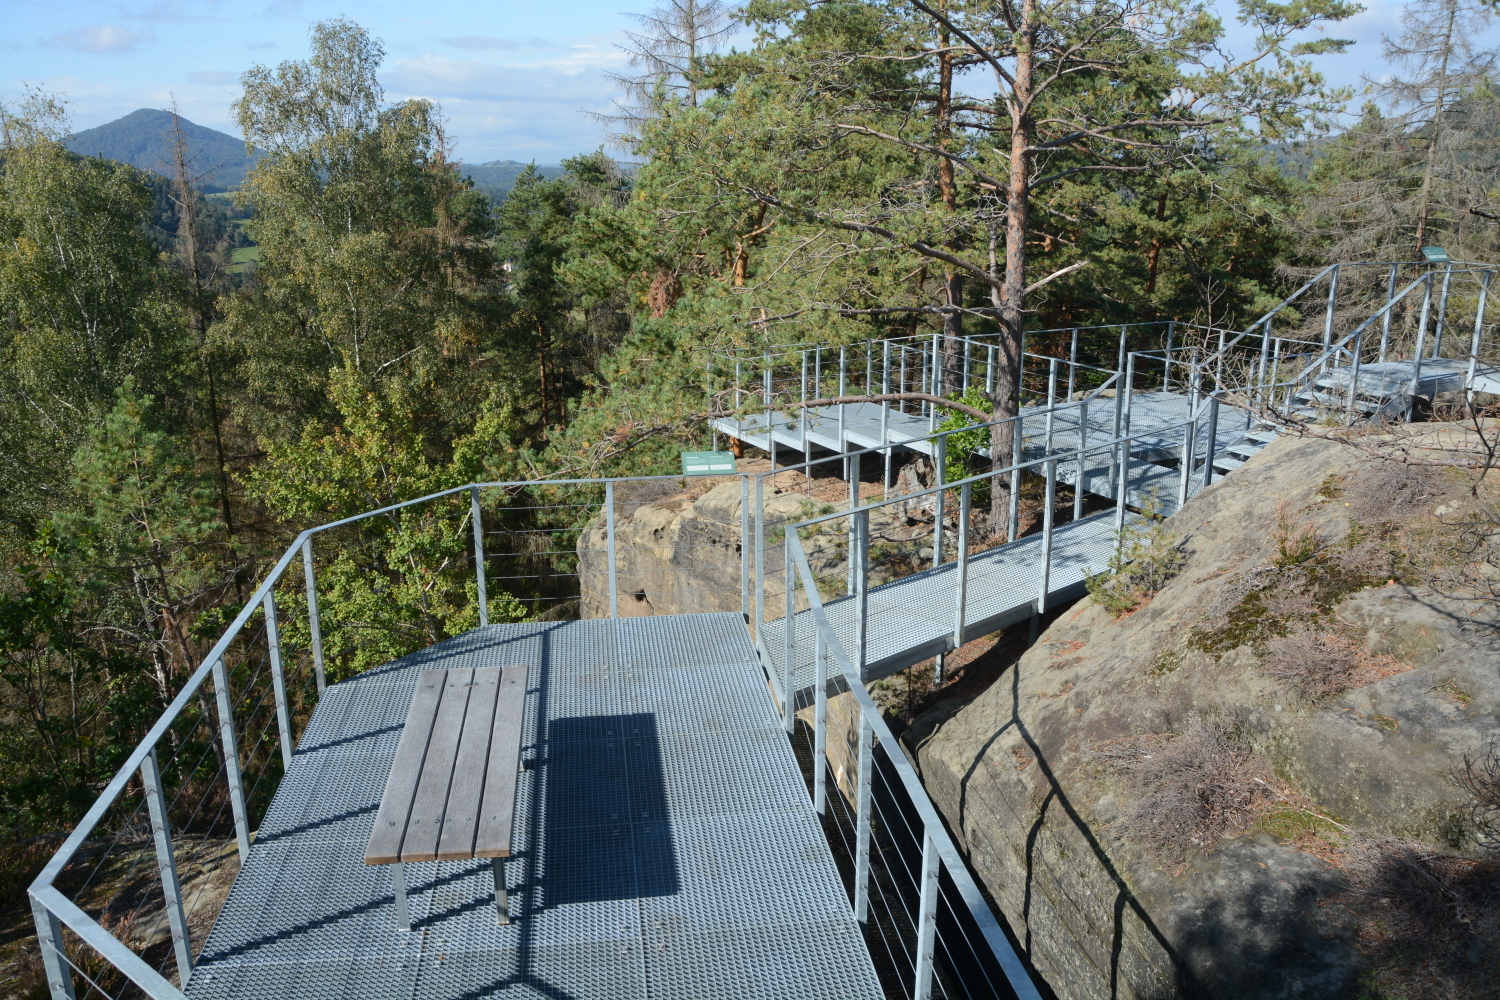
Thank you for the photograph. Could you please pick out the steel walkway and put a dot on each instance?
(862, 426)
(914, 618)
(666, 844)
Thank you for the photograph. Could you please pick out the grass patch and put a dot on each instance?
(242, 259)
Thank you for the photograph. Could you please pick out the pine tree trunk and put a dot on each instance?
(1010, 302)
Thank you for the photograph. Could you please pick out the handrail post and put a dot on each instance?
(609, 541)
(820, 721)
(862, 599)
(1166, 366)
(1083, 443)
(1208, 449)
(1416, 359)
(1018, 434)
(1121, 489)
(862, 801)
(937, 383)
(926, 917)
(843, 377)
(789, 623)
(885, 421)
(745, 546)
(940, 449)
(231, 758)
(1072, 362)
(1047, 519)
(1051, 402)
(961, 585)
(760, 553)
(1333, 294)
(278, 679)
(803, 420)
(1185, 462)
(1385, 323)
(851, 470)
(1354, 366)
(478, 520)
(1120, 390)
(314, 622)
(1484, 292)
(1442, 313)
(49, 941)
(1260, 371)
(166, 865)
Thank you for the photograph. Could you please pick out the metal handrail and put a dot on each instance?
(934, 830)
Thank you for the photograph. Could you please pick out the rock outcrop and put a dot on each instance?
(679, 552)
(1331, 696)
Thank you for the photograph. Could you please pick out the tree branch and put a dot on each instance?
(925, 249)
(926, 148)
(1055, 275)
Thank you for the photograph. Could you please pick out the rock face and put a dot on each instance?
(1275, 571)
(680, 553)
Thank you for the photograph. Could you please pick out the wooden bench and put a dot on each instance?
(451, 794)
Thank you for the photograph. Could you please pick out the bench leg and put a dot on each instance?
(403, 912)
(502, 904)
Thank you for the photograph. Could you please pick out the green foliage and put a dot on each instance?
(1145, 560)
(965, 443)
(97, 616)
(374, 254)
(402, 581)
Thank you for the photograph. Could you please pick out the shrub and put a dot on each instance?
(1296, 541)
(1423, 894)
(1190, 789)
(1144, 562)
(1479, 775)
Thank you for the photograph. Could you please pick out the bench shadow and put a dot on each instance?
(605, 814)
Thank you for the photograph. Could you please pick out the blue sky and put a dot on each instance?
(514, 79)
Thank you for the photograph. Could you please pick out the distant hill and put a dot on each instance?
(143, 138)
(497, 177)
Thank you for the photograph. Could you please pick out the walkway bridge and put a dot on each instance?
(671, 844)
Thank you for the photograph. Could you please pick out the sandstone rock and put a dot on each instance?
(680, 553)
(1254, 916)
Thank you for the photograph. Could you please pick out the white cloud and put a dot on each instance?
(480, 42)
(507, 111)
(100, 38)
(213, 77)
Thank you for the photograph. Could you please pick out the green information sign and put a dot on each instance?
(707, 463)
(1436, 255)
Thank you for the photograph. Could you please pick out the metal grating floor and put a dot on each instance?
(666, 845)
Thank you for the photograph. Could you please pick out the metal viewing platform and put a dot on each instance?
(665, 842)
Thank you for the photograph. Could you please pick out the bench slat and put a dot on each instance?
(461, 818)
(427, 807)
(384, 846)
(497, 814)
